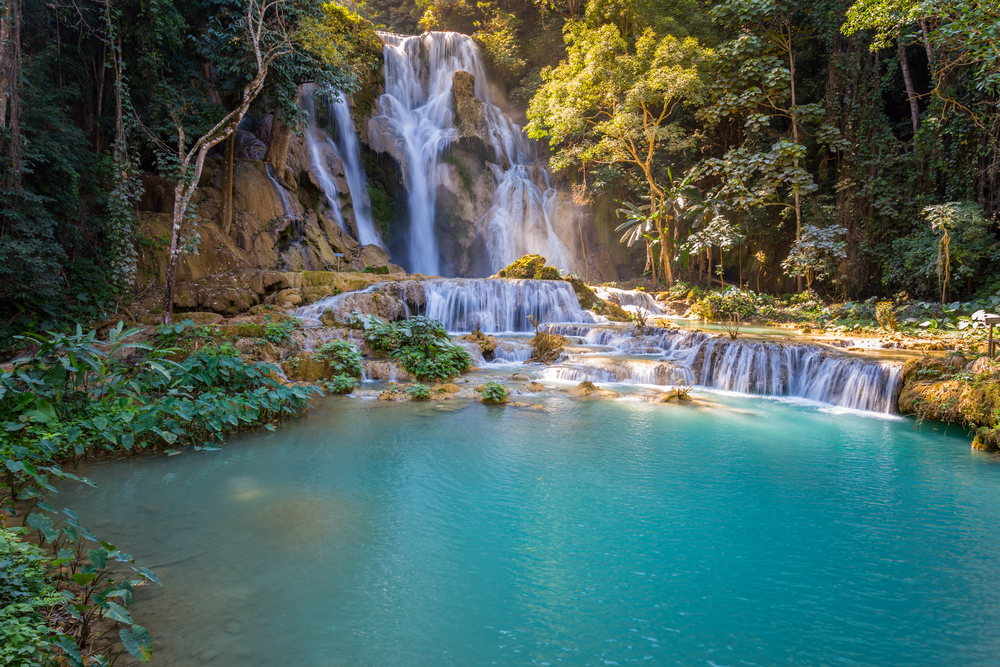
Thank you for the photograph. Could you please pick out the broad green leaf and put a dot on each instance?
(116, 612)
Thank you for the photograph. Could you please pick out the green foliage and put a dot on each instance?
(77, 394)
(420, 344)
(419, 392)
(342, 356)
(815, 254)
(956, 249)
(497, 37)
(25, 594)
(340, 384)
(732, 303)
(493, 392)
(279, 332)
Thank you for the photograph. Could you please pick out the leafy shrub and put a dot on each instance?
(25, 592)
(420, 344)
(730, 304)
(279, 332)
(377, 270)
(342, 356)
(433, 362)
(493, 392)
(420, 392)
(78, 394)
(340, 384)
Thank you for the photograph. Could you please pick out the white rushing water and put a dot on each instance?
(633, 301)
(347, 151)
(317, 143)
(492, 306)
(747, 367)
(417, 106)
(285, 203)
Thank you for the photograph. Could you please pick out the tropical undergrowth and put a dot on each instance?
(420, 344)
(78, 396)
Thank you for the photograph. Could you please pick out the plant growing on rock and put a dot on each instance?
(419, 392)
(493, 393)
(340, 384)
(420, 344)
(342, 356)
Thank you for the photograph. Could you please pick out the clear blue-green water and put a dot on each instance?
(599, 532)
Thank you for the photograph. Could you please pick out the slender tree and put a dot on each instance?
(267, 36)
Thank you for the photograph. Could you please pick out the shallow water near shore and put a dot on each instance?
(597, 532)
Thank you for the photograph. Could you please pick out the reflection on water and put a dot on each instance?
(596, 532)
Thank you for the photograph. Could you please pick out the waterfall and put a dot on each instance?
(317, 143)
(493, 306)
(349, 152)
(417, 112)
(285, 204)
(631, 300)
(804, 371)
(747, 367)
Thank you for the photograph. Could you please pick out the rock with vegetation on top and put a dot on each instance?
(546, 347)
(525, 268)
(487, 344)
(934, 389)
(987, 440)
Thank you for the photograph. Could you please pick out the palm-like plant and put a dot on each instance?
(638, 225)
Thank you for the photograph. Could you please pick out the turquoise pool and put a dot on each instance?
(753, 532)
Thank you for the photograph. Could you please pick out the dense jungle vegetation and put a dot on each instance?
(849, 145)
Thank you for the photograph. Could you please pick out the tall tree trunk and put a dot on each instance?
(795, 138)
(10, 96)
(926, 34)
(911, 94)
(227, 183)
(708, 254)
(277, 147)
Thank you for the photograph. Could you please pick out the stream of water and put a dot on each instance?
(748, 532)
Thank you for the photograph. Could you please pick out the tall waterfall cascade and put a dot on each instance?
(416, 122)
(336, 164)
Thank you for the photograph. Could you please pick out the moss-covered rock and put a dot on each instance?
(305, 367)
(933, 388)
(987, 440)
(586, 296)
(525, 268)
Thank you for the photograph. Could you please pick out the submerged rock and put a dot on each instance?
(588, 388)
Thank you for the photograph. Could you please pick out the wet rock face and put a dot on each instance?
(487, 344)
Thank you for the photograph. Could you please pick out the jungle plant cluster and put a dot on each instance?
(345, 364)
(848, 146)
(420, 344)
(78, 395)
(97, 95)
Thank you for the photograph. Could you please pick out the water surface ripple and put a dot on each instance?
(597, 533)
